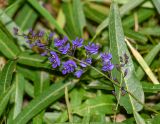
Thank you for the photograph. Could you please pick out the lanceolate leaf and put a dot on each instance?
(7, 46)
(4, 98)
(79, 16)
(19, 90)
(46, 15)
(6, 75)
(34, 60)
(138, 118)
(118, 48)
(42, 101)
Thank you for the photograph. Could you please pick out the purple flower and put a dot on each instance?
(92, 48)
(108, 67)
(39, 44)
(32, 33)
(88, 61)
(50, 36)
(44, 53)
(54, 59)
(41, 33)
(68, 66)
(64, 49)
(106, 57)
(78, 73)
(59, 43)
(77, 43)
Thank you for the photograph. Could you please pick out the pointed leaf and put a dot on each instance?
(138, 118)
(118, 48)
(42, 101)
(4, 99)
(6, 75)
(19, 91)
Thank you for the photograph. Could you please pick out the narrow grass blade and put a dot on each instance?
(118, 48)
(46, 15)
(150, 88)
(38, 104)
(148, 59)
(140, 38)
(19, 91)
(142, 62)
(124, 9)
(6, 76)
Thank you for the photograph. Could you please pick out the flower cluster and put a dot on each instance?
(38, 40)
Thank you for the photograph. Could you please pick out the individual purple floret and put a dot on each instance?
(39, 44)
(78, 73)
(41, 33)
(108, 67)
(32, 33)
(77, 43)
(64, 49)
(60, 43)
(54, 59)
(68, 66)
(106, 57)
(50, 35)
(45, 53)
(88, 61)
(92, 48)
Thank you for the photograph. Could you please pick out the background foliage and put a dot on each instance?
(33, 92)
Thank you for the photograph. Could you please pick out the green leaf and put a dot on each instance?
(138, 118)
(29, 89)
(7, 46)
(93, 14)
(9, 24)
(143, 64)
(29, 17)
(6, 76)
(142, 15)
(19, 91)
(41, 82)
(71, 27)
(151, 88)
(42, 101)
(102, 104)
(4, 99)
(34, 60)
(148, 59)
(157, 5)
(118, 48)
(140, 38)
(46, 15)
(79, 16)
(124, 9)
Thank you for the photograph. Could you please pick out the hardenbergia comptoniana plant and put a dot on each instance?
(79, 61)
